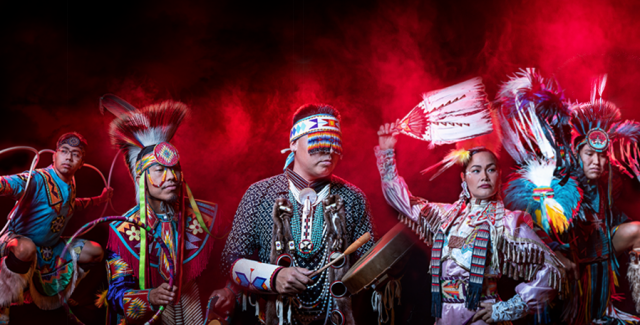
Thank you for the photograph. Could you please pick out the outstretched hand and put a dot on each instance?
(388, 135)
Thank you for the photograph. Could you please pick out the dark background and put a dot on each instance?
(244, 67)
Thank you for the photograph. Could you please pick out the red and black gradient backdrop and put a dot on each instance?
(243, 68)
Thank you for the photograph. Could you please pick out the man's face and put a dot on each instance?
(67, 159)
(317, 165)
(168, 191)
(592, 162)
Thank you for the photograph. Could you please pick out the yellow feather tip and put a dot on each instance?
(556, 216)
(101, 299)
(459, 156)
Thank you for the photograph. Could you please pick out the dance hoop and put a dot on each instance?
(132, 220)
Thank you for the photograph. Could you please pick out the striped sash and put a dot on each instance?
(476, 276)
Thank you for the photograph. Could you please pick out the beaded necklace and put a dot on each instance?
(316, 231)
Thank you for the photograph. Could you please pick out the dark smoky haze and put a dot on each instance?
(243, 68)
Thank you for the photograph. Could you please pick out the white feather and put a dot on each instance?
(539, 172)
(456, 113)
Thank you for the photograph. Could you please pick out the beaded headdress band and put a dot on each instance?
(323, 131)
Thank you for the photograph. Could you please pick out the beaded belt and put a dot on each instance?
(454, 289)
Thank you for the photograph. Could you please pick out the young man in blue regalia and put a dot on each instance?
(30, 250)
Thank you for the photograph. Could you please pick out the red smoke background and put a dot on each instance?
(243, 68)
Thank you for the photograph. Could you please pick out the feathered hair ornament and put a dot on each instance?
(449, 115)
(534, 118)
(599, 124)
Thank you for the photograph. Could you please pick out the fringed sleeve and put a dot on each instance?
(524, 256)
(422, 217)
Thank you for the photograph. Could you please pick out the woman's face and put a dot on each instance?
(482, 175)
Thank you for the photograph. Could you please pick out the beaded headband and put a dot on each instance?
(72, 140)
(314, 123)
(164, 153)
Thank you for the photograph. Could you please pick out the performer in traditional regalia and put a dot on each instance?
(295, 222)
(566, 182)
(475, 240)
(31, 248)
(138, 270)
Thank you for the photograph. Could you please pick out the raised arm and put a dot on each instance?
(394, 188)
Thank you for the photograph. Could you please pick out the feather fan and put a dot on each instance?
(449, 115)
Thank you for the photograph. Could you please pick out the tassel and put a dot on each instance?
(279, 311)
(289, 312)
(473, 296)
(244, 301)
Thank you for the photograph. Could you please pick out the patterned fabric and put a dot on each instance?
(124, 299)
(137, 308)
(512, 309)
(252, 275)
(326, 141)
(315, 123)
(50, 201)
(253, 224)
(54, 272)
(454, 289)
(124, 239)
(127, 304)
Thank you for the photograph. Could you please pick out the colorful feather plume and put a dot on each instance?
(533, 116)
(456, 156)
(134, 129)
(449, 115)
(534, 189)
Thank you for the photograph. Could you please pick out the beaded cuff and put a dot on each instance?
(386, 163)
(512, 309)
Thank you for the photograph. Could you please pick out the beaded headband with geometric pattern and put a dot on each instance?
(72, 139)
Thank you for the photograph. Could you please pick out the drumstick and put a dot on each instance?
(352, 248)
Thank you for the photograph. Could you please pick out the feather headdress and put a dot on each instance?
(449, 115)
(534, 117)
(599, 124)
(134, 129)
